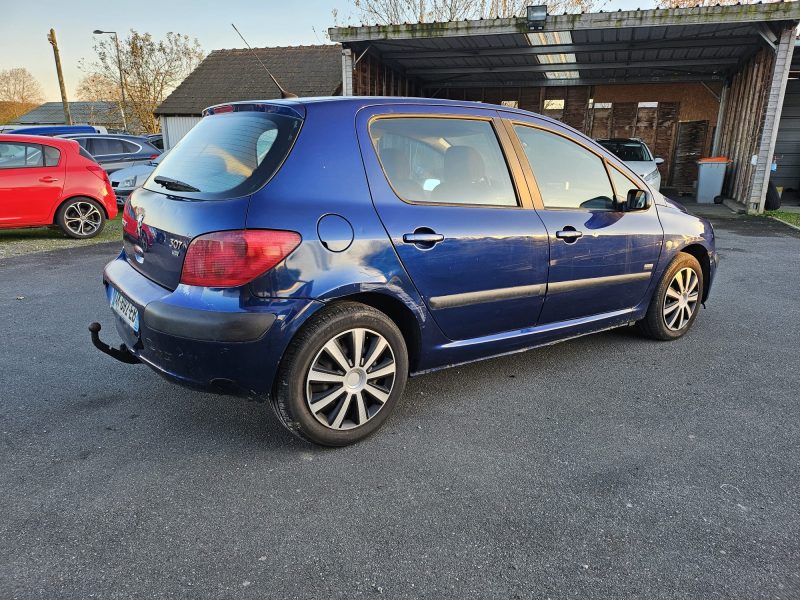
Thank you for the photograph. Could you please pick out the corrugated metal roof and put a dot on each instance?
(93, 113)
(693, 44)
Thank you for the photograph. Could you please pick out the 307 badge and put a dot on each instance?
(176, 245)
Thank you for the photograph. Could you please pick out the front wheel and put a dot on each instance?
(81, 218)
(341, 376)
(676, 301)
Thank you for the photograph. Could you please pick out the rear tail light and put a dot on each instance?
(233, 258)
(153, 157)
(99, 171)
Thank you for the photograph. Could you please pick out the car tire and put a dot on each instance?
(325, 396)
(676, 301)
(81, 218)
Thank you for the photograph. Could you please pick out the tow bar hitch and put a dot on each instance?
(122, 353)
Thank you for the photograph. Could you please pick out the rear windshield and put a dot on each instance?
(226, 155)
(628, 151)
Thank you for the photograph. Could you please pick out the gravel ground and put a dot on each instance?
(605, 467)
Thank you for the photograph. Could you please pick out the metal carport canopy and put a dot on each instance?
(641, 46)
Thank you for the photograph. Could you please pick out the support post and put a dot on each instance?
(51, 37)
(347, 72)
(772, 117)
(723, 105)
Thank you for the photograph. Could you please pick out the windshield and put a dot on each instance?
(627, 151)
(226, 155)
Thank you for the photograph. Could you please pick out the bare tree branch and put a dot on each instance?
(18, 85)
(387, 12)
(151, 70)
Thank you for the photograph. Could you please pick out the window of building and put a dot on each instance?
(554, 108)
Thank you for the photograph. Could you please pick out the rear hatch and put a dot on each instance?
(204, 184)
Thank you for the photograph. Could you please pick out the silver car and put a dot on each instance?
(125, 181)
(636, 155)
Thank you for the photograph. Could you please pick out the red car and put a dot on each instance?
(48, 181)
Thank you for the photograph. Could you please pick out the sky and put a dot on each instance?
(24, 27)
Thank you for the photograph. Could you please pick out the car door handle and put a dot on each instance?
(48, 179)
(569, 234)
(423, 238)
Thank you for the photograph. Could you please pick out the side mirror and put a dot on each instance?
(658, 160)
(637, 200)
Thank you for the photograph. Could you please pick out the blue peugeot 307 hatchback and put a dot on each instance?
(315, 252)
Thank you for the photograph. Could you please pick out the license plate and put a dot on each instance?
(125, 309)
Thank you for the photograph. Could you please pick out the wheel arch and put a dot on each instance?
(399, 313)
(74, 197)
(701, 254)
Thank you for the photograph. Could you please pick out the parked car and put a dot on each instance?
(157, 140)
(114, 152)
(126, 180)
(52, 182)
(52, 130)
(636, 155)
(316, 252)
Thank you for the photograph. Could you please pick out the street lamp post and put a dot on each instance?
(121, 81)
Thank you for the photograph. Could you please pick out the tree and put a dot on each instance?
(100, 90)
(97, 88)
(19, 93)
(694, 3)
(151, 69)
(386, 12)
(18, 85)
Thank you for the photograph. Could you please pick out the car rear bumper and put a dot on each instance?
(233, 344)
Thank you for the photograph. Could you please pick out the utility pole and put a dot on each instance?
(51, 37)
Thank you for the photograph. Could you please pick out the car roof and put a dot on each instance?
(621, 140)
(38, 139)
(359, 102)
(121, 136)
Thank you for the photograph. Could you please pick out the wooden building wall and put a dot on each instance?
(598, 111)
(744, 118)
(656, 125)
(372, 78)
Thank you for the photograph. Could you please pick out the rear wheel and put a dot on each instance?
(341, 376)
(81, 218)
(676, 301)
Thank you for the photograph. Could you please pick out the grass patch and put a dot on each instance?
(16, 242)
(792, 218)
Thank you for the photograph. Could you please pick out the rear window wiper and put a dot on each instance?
(175, 185)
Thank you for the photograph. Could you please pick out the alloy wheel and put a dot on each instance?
(350, 379)
(82, 218)
(681, 299)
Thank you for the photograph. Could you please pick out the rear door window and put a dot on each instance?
(51, 156)
(101, 146)
(19, 155)
(130, 147)
(227, 155)
(443, 160)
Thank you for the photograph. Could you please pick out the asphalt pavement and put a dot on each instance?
(605, 467)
